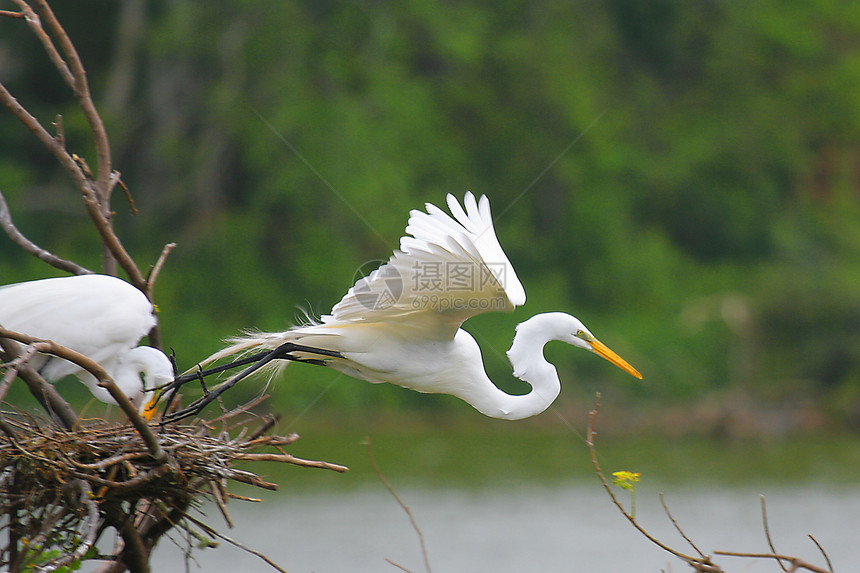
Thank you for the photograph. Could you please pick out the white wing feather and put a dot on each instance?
(446, 270)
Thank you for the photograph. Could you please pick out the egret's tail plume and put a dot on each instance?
(249, 342)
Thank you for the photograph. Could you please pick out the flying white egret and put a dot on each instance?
(99, 316)
(401, 324)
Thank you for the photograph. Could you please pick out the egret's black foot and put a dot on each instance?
(257, 361)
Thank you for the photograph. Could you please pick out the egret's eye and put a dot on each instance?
(580, 333)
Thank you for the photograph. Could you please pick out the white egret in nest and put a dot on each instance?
(99, 316)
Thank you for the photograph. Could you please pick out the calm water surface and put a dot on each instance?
(572, 528)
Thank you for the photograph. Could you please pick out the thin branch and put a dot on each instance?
(268, 422)
(83, 184)
(242, 409)
(678, 528)
(252, 479)
(12, 231)
(405, 507)
(219, 493)
(823, 552)
(233, 542)
(156, 269)
(35, 24)
(398, 565)
(82, 92)
(795, 562)
(40, 388)
(702, 565)
(290, 459)
(155, 333)
(116, 179)
(767, 531)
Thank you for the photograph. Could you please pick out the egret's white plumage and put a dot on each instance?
(401, 324)
(99, 316)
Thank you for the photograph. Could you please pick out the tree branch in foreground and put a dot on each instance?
(405, 507)
(95, 189)
(29, 246)
(703, 563)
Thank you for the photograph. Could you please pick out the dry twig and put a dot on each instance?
(704, 565)
(767, 531)
(823, 552)
(29, 246)
(405, 507)
(678, 527)
(795, 562)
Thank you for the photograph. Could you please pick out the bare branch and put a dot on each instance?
(95, 191)
(287, 458)
(219, 493)
(268, 422)
(156, 269)
(405, 507)
(12, 231)
(678, 528)
(795, 562)
(702, 565)
(82, 93)
(35, 24)
(212, 532)
(56, 147)
(398, 565)
(41, 389)
(767, 531)
(823, 552)
(148, 290)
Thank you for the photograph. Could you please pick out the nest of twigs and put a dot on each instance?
(61, 489)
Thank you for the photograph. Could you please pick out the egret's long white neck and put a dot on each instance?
(526, 356)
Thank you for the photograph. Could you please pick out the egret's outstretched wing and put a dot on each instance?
(446, 270)
(96, 315)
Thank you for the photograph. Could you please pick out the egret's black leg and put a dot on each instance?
(174, 389)
(209, 397)
(180, 380)
(200, 374)
(172, 358)
(283, 352)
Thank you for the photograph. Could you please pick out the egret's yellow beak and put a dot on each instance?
(150, 409)
(604, 351)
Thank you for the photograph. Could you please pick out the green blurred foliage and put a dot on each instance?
(682, 176)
